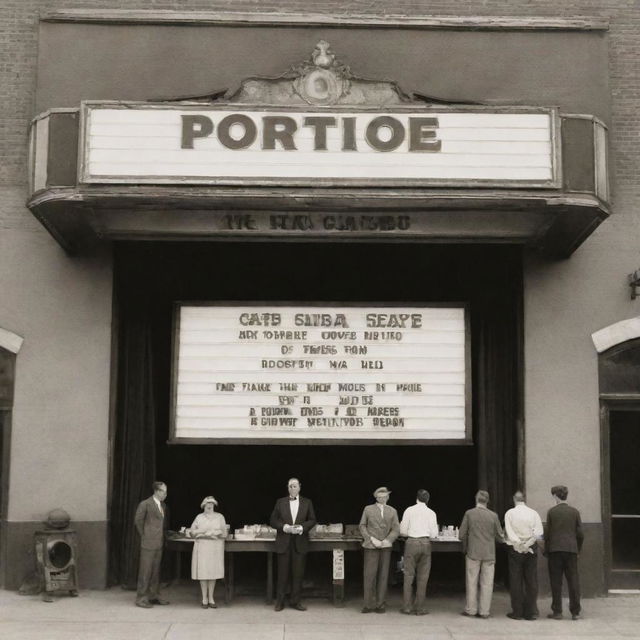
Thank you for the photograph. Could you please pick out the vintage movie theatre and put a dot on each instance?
(358, 249)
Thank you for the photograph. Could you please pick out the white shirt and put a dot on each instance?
(159, 505)
(521, 524)
(419, 521)
(294, 505)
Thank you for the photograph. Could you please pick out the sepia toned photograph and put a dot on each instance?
(319, 321)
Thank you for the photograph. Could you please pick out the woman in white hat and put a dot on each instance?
(207, 563)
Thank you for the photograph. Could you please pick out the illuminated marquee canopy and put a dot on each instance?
(319, 373)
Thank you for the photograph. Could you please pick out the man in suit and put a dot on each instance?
(292, 517)
(379, 527)
(479, 531)
(151, 522)
(563, 541)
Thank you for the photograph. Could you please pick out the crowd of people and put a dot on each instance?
(293, 517)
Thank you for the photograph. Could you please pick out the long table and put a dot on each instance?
(338, 545)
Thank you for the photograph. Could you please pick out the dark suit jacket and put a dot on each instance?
(563, 531)
(150, 524)
(281, 515)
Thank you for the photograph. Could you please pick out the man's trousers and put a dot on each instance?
(417, 564)
(523, 582)
(376, 576)
(479, 574)
(149, 574)
(291, 565)
(564, 563)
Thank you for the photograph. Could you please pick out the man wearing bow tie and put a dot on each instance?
(151, 523)
(292, 517)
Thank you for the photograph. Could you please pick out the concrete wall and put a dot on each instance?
(565, 302)
(61, 306)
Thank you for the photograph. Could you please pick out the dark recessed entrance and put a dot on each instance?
(7, 376)
(247, 479)
(624, 442)
(619, 373)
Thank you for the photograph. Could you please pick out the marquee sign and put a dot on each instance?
(356, 146)
(318, 152)
(321, 373)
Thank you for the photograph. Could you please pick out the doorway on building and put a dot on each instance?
(622, 515)
(7, 370)
(619, 372)
(624, 452)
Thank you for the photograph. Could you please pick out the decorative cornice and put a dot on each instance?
(320, 80)
(232, 18)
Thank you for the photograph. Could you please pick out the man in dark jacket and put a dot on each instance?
(563, 541)
(292, 517)
(151, 523)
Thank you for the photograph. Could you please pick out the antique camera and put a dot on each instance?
(56, 554)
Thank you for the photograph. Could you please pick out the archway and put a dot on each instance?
(619, 379)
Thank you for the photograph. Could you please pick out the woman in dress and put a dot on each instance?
(207, 563)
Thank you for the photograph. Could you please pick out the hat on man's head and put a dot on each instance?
(381, 490)
(208, 499)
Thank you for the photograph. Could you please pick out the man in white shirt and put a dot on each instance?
(523, 528)
(419, 525)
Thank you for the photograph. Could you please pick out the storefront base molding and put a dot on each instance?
(19, 560)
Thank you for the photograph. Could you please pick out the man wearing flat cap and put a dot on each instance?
(379, 527)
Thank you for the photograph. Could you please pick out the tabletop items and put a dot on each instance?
(327, 531)
(255, 531)
(448, 533)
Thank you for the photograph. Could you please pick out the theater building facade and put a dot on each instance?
(362, 251)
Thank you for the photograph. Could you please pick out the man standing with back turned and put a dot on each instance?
(151, 523)
(419, 526)
(292, 517)
(563, 541)
(479, 531)
(523, 528)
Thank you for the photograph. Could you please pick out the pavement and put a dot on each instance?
(111, 615)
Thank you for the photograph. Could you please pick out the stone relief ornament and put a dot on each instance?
(322, 80)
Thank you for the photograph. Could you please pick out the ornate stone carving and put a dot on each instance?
(321, 80)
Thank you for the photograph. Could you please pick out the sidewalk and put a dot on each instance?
(111, 615)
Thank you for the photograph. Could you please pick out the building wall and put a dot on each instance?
(61, 305)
